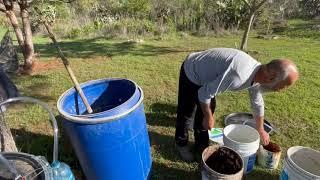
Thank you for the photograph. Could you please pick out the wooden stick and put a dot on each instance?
(66, 65)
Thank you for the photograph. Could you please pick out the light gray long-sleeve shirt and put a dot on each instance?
(221, 69)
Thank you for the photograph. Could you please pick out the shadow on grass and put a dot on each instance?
(162, 115)
(260, 174)
(164, 146)
(39, 88)
(304, 29)
(162, 171)
(91, 47)
(42, 145)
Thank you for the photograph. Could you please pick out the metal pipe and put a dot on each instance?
(52, 117)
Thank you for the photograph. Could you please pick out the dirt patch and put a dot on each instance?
(41, 66)
(272, 147)
(224, 161)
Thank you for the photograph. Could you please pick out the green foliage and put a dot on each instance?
(202, 17)
(3, 21)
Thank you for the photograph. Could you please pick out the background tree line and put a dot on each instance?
(134, 18)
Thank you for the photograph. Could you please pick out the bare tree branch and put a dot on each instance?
(62, 1)
(260, 4)
(247, 3)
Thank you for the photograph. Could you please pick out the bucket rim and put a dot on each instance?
(291, 162)
(243, 125)
(226, 175)
(90, 119)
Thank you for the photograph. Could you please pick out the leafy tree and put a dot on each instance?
(254, 6)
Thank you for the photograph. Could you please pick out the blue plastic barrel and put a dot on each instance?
(111, 143)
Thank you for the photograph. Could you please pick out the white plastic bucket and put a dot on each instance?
(209, 174)
(301, 163)
(269, 156)
(245, 140)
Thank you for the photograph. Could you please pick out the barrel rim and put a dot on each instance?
(300, 169)
(90, 119)
(233, 141)
(226, 175)
(102, 80)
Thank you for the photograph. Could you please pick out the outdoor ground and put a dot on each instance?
(154, 65)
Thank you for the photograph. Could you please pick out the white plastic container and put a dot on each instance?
(301, 163)
(209, 174)
(269, 156)
(245, 140)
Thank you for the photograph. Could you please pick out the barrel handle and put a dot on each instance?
(48, 109)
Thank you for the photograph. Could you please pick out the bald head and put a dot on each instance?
(279, 74)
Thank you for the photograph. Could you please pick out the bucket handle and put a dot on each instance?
(48, 109)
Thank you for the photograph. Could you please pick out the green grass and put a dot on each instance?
(154, 65)
(298, 28)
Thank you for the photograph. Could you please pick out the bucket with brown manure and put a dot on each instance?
(269, 156)
(220, 162)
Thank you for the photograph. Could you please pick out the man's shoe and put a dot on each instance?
(185, 153)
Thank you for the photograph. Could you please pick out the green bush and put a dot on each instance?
(74, 33)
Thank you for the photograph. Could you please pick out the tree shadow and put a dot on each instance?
(39, 87)
(87, 48)
(162, 115)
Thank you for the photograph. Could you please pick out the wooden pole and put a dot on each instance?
(66, 63)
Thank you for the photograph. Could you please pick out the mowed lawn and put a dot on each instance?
(154, 65)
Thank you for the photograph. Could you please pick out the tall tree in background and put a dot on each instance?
(254, 6)
(24, 34)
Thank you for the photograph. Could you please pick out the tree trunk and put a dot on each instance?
(7, 143)
(28, 44)
(14, 22)
(244, 42)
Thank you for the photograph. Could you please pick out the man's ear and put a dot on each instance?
(271, 76)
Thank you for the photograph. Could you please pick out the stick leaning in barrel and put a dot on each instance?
(66, 65)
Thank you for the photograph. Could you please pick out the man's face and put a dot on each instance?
(267, 87)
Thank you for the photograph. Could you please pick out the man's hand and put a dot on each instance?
(208, 122)
(264, 136)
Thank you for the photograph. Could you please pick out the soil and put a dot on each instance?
(224, 161)
(41, 66)
(272, 147)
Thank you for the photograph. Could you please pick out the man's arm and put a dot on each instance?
(208, 117)
(257, 106)
(260, 127)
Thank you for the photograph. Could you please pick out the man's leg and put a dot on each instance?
(187, 97)
(200, 134)
(186, 108)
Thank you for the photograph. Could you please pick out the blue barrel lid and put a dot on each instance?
(71, 107)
